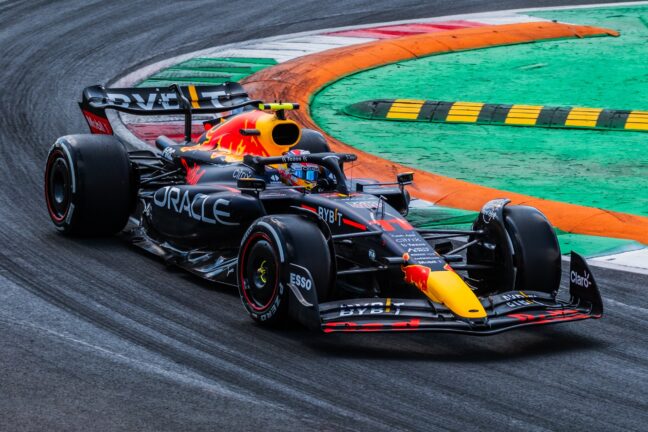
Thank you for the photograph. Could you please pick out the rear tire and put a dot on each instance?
(89, 185)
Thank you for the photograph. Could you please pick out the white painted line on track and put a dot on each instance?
(509, 19)
(634, 261)
(625, 306)
(586, 6)
(643, 270)
(333, 41)
(280, 56)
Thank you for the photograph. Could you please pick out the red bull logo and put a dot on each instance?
(250, 133)
(445, 287)
(227, 136)
(417, 275)
(193, 173)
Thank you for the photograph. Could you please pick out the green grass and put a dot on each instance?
(605, 169)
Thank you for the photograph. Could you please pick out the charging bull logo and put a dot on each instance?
(193, 173)
(227, 138)
(249, 133)
(417, 275)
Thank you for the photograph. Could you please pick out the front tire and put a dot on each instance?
(271, 251)
(537, 251)
(260, 286)
(522, 249)
(88, 185)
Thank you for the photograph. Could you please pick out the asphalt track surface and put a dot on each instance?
(96, 336)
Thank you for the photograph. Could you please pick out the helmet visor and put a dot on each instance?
(305, 172)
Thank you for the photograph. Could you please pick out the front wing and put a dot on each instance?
(505, 311)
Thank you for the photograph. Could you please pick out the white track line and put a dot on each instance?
(635, 261)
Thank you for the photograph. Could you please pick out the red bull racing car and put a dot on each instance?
(263, 205)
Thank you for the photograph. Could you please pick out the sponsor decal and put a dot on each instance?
(330, 216)
(334, 216)
(273, 309)
(418, 249)
(373, 308)
(301, 281)
(98, 125)
(144, 101)
(200, 207)
(516, 300)
(153, 99)
(490, 210)
(294, 158)
(240, 173)
(168, 153)
(193, 173)
(580, 280)
(488, 215)
(364, 204)
(417, 275)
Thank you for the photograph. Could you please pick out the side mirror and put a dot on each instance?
(405, 178)
(251, 185)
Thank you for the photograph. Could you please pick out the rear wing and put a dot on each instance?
(160, 101)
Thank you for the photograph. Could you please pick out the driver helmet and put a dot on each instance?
(299, 173)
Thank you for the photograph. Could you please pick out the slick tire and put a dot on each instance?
(537, 253)
(270, 247)
(89, 185)
(524, 253)
(312, 141)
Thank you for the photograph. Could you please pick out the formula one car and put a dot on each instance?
(261, 204)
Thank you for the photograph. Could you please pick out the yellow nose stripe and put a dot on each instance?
(452, 291)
